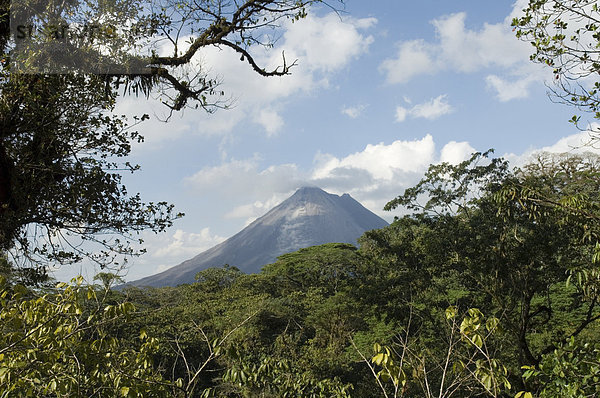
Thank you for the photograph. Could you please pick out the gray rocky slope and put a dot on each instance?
(309, 217)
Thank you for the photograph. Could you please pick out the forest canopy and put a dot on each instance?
(494, 272)
(488, 286)
(63, 150)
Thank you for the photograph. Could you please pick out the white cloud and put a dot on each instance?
(252, 211)
(258, 189)
(381, 161)
(322, 46)
(401, 113)
(414, 58)
(166, 250)
(575, 143)
(353, 111)
(270, 120)
(327, 43)
(245, 177)
(373, 175)
(381, 172)
(456, 152)
(432, 109)
(508, 90)
(515, 85)
(492, 47)
(183, 244)
(469, 50)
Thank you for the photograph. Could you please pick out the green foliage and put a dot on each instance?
(561, 185)
(61, 183)
(63, 150)
(449, 188)
(466, 369)
(512, 243)
(494, 272)
(295, 318)
(273, 377)
(572, 370)
(329, 267)
(215, 279)
(565, 37)
(57, 344)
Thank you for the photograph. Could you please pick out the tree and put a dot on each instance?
(476, 242)
(407, 367)
(119, 39)
(571, 370)
(329, 267)
(276, 377)
(569, 365)
(58, 345)
(63, 184)
(288, 328)
(565, 37)
(62, 150)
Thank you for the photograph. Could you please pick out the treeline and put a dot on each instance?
(489, 287)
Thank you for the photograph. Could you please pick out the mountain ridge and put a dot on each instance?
(309, 217)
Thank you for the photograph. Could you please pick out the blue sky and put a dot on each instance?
(380, 91)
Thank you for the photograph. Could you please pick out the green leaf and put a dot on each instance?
(477, 340)
(523, 394)
(379, 358)
(451, 312)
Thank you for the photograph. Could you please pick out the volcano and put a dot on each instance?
(309, 217)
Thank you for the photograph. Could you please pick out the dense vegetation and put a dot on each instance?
(490, 287)
(495, 270)
(63, 148)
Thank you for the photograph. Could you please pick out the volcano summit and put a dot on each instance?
(309, 217)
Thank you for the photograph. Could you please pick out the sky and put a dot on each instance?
(381, 90)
